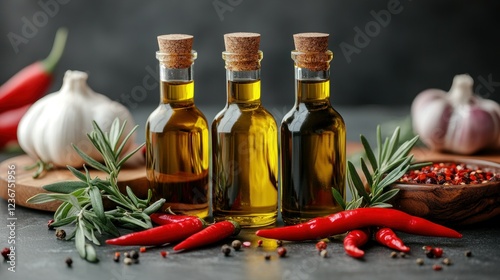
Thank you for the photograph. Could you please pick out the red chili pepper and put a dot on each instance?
(160, 235)
(9, 124)
(33, 81)
(165, 219)
(344, 221)
(387, 237)
(353, 240)
(209, 235)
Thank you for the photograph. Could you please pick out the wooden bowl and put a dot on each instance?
(452, 204)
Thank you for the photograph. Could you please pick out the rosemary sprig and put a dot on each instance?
(82, 200)
(392, 161)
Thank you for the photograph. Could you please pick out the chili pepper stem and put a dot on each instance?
(55, 54)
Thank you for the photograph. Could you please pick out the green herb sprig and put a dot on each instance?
(392, 161)
(82, 200)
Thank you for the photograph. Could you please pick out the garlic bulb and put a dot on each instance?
(458, 121)
(60, 119)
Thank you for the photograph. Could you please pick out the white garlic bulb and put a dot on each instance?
(60, 119)
(456, 121)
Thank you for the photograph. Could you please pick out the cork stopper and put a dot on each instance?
(176, 50)
(311, 51)
(242, 51)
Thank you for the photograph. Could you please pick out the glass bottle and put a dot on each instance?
(177, 143)
(313, 137)
(244, 141)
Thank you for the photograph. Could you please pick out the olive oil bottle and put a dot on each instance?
(177, 133)
(313, 137)
(244, 141)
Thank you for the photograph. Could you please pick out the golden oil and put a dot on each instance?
(313, 139)
(245, 153)
(177, 144)
(244, 150)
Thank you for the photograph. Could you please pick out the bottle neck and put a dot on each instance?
(243, 86)
(311, 86)
(176, 85)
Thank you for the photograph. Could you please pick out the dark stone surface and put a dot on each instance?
(39, 255)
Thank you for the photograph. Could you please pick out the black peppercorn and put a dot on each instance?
(69, 262)
(60, 234)
(236, 244)
(226, 250)
(134, 255)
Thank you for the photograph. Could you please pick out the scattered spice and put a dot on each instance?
(437, 252)
(142, 249)
(428, 251)
(323, 253)
(426, 248)
(420, 261)
(450, 173)
(447, 261)
(49, 224)
(69, 261)
(279, 243)
(226, 250)
(394, 254)
(321, 245)
(402, 254)
(134, 255)
(433, 252)
(5, 253)
(60, 234)
(259, 242)
(437, 267)
(128, 261)
(267, 257)
(116, 257)
(281, 252)
(164, 254)
(236, 244)
(468, 253)
(247, 244)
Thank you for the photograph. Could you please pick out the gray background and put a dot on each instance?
(422, 46)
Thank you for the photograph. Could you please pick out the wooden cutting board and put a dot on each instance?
(135, 177)
(25, 186)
